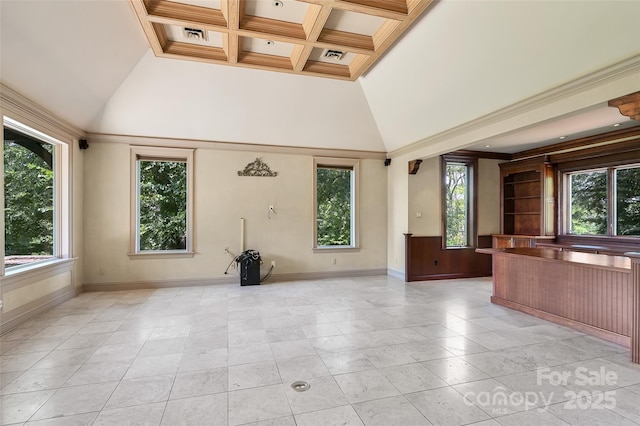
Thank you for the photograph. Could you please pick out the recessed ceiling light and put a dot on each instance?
(487, 146)
(616, 125)
(562, 137)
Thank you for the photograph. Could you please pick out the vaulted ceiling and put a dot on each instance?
(91, 63)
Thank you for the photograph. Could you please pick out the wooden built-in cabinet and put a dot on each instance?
(527, 203)
(514, 241)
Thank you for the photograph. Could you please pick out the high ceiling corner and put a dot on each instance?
(338, 39)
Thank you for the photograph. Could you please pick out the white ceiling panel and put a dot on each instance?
(267, 47)
(178, 34)
(290, 11)
(359, 23)
(211, 4)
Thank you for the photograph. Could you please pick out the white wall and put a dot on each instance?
(397, 203)
(465, 59)
(488, 196)
(28, 292)
(425, 197)
(221, 199)
(190, 100)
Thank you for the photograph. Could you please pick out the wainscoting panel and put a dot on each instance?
(427, 260)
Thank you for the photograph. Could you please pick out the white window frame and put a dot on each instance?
(159, 154)
(61, 197)
(320, 162)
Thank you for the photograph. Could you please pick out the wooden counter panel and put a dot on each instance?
(603, 261)
(594, 296)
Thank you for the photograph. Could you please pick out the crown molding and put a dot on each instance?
(233, 146)
(24, 109)
(627, 68)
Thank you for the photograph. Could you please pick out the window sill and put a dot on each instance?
(34, 270)
(460, 248)
(162, 255)
(335, 249)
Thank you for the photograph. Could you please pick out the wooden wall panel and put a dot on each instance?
(635, 307)
(427, 260)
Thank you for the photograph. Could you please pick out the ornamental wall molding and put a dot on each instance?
(257, 168)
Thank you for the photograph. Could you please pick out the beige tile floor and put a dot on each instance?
(375, 350)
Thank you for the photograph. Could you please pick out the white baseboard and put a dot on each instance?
(232, 279)
(396, 274)
(153, 284)
(16, 317)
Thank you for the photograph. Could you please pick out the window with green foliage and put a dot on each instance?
(162, 201)
(29, 204)
(335, 206)
(458, 205)
(604, 201)
(162, 205)
(588, 203)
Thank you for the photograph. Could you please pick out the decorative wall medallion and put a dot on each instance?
(257, 168)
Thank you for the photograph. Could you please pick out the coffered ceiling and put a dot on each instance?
(328, 38)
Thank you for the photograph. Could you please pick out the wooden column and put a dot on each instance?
(635, 294)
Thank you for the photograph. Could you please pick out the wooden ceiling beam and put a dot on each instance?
(327, 68)
(270, 61)
(397, 6)
(147, 26)
(360, 8)
(273, 27)
(313, 23)
(343, 38)
(261, 35)
(195, 51)
(355, 67)
(186, 12)
(231, 10)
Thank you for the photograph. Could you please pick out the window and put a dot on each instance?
(162, 200)
(603, 202)
(33, 193)
(335, 210)
(459, 207)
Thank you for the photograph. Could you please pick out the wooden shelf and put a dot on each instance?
(517, 213)
(522, 198)
(527, 198)
(522, 181)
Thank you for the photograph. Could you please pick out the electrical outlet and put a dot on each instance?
(0, 304)
(273, 263)
(101, 271)
(333, 261)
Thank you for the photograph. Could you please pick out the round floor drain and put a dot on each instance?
(300, 386)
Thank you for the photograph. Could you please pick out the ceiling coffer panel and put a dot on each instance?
(326, 38)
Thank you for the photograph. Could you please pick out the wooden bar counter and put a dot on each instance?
(596, 294)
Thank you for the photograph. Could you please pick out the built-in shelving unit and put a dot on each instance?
(528, 207)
